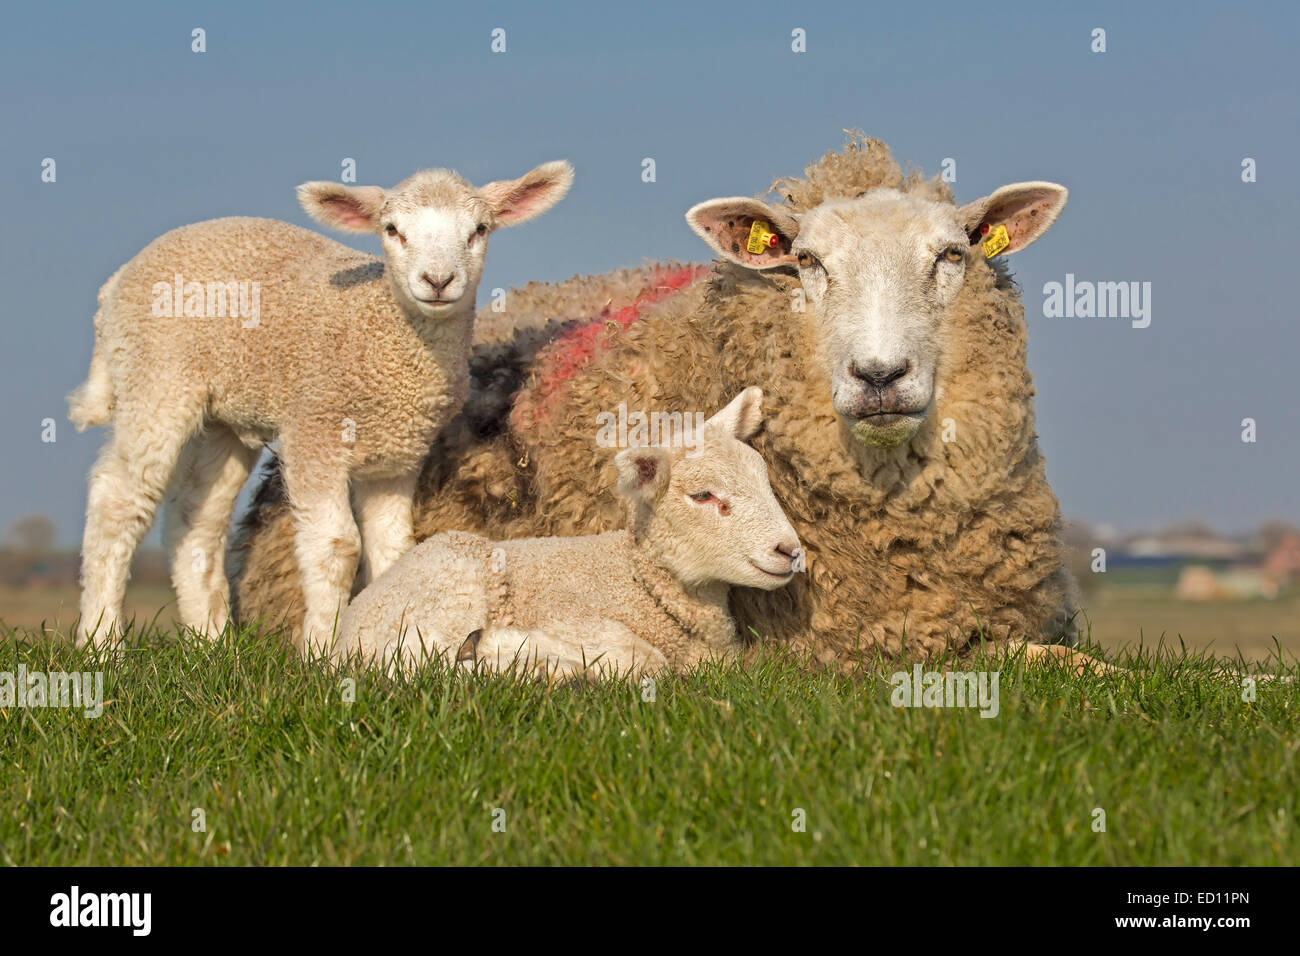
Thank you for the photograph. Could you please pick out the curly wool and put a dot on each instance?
(914, 550)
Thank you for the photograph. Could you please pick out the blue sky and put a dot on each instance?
(1139, 426)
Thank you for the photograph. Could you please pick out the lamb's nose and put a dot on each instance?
(878, 374)
(436, 285)
(790, 550)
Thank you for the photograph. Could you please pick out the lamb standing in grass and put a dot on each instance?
(650, 596)
(354, 362)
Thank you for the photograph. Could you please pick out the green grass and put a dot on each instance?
(710, 772)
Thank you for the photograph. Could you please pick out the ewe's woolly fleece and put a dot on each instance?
(911, 550)
(448, 586)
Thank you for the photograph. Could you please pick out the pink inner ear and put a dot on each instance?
(517, 201)
(1025, 218)
(346, 211)
(730, 230)
(646, 470)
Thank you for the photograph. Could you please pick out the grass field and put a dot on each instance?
(715, 769)
(1133, 611)
(1120, 618)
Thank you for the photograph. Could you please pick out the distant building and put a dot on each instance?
(1201, 547)
(1197, 582)
(1282, 563)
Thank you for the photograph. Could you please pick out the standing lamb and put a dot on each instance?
(650, 596)
(900, 433)
(221, 336)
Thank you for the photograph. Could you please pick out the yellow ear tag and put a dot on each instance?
(761, 238)
(997, 241)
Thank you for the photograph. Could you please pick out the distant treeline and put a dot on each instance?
(22, 568)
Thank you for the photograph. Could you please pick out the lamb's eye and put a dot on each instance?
(702, 496)
(391, 229)
(952, 254)
(807, 260)
(482, 229)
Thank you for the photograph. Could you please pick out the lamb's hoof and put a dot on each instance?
(469, 650)
(103, 646)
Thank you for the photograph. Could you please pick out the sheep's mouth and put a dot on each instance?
(775, 575)
(886, 419)
(437, 302)
(885, 429)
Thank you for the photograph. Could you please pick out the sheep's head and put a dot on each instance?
(880, 272)
(435, 226)
(711, 515)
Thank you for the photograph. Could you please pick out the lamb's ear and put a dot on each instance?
(1026, 209)
(643, 471)
(350, 208)
(517, 200)
(725, 224)
(742, 416)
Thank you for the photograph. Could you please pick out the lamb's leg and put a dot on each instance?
(196, 518)
(126, 485)
(327, 544)
(565, 650)
(384, 512)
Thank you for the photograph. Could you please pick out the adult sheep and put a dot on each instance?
(900, 433)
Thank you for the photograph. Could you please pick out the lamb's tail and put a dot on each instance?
(91, 403)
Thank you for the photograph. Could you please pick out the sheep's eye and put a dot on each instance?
(482, 229)
(391, 229)
(702, 496)
(953, 254)
(807, 260)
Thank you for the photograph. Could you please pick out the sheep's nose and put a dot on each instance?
(790, 550)
(879, 374)
(438, 285)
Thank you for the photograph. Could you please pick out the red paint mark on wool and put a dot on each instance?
(573, 350)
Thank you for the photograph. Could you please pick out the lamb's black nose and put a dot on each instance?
(878, 374)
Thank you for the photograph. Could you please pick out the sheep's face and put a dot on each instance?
(434, 227)
(880, 272)
(712, 516)
(435, 236)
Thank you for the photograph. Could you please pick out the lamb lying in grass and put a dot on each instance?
(355, 363)
(648, 597)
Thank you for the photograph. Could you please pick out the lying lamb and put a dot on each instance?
(355, 363)
(651, 596)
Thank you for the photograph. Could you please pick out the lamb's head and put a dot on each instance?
(434, 227)
(711, 515)
(880, 272)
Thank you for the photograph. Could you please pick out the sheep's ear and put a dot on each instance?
(517, 200)
(350, 208)
(643, 471)
(1026, 209)
(742, 417)
(726, 224)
